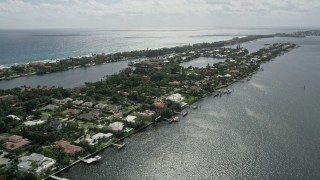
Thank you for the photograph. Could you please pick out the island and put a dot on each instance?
(46, 67)
(46, 130)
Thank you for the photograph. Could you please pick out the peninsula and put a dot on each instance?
(46, 129)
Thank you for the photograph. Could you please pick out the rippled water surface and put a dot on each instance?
(268, 128)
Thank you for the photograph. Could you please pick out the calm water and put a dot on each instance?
(67, 79)
(201, 62)
(268, 128)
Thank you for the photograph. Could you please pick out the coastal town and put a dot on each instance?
(45, 129)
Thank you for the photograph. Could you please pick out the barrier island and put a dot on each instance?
(46, 129)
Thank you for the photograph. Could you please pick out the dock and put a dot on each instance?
(119, 146)
(57, 178)
(91, 160)
(169, 120)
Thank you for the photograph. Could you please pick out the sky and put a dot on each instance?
(114, 14)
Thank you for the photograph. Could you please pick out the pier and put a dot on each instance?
(91, 160)
(119, 146)
(57, 178)
(194, 106)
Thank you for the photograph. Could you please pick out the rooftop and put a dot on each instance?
(116, 126)
(67, 147)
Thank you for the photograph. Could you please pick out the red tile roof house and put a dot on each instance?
(71, 112)
(15, 142)
(160, 104)
(67, 147)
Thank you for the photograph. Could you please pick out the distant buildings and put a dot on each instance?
(71, 112)
(49, 107)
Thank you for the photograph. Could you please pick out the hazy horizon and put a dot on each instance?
(166, 14)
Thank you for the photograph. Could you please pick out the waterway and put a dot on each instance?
(201, 62)
(67, 79)
(268, 128)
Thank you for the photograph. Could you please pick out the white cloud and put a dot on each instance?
(145, 13)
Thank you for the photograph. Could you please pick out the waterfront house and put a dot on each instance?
(15, 142)
(35, 163)
(116, 126)
(99, 136)
(67, 147)
(175, 98)
(130, 119)
(146, 115)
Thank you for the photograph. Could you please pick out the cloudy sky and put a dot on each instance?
(24, 14)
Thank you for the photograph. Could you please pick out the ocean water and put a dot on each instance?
(24, 46)
(268, 128)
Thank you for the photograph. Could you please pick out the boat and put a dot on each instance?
(175, 119)
(261, 69)
(91, 160)
(227, 91)
(184, 113)
(194, 106)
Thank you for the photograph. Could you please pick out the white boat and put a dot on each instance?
(91, 160)
(194, 106)
(227, 91)
(184, 113)
(175, 119)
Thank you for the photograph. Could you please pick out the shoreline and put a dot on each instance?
(152, 123)
(64, 64)
(99, 151)
(208, 80)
